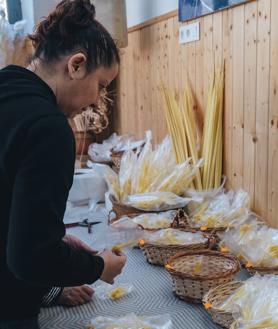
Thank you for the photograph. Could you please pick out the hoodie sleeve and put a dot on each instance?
(35, 250)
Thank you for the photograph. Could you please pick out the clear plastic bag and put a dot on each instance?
(142, 168)
(255, 303)
(156, 170)
(204, 195)
(132, 321)
(175, 237)
(253, 242)
(102, 152)
(156, 201)
(129, 144)
(149, 170)
(116, 291)
(149, 221)
(221, 210)
(154, 221)
(119, 238)
(124, 223)
(128, 162)
(110, 177)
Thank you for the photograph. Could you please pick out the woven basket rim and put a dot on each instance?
(101, 162)
(117, 154)
(174, 246)
(135, 210)
(126, 207)
(120, 204)
(206, 298)
(203, 252)
(257, 268)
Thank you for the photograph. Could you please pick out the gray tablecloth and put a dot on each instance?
(152, 294)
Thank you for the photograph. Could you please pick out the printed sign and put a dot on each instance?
(190, 9)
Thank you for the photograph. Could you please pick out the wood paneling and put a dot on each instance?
(246, 38)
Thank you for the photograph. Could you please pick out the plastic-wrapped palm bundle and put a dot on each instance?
(175, 237)
(151, 179)
(132, 321)
(142, 170)
(155, 221)
(111, 178)
(181, 176)
(254, 243)
(147, 221)
(221, 210)
(155, 170)
(102, 152)
(266, 323)
(126, 173)
(156, 201)
(115, 291)
(255, 304)
(206, 195)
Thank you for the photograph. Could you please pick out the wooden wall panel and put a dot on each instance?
(273, 119)
(262, 107)
(250, 85)
(246, 38)
(238, 96)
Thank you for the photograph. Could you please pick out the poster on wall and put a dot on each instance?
(190, 9)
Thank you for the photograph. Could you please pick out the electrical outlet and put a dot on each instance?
(189, 33)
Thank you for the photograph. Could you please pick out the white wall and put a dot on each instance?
(42, 8)
(28, 14)
(139, 11)
(34, 10)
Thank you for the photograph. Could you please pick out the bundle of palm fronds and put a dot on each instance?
(186, 140)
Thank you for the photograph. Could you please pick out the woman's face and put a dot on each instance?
(83, 89)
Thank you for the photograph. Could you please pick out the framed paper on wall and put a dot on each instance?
(190, 9)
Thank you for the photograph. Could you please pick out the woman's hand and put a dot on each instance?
(74, 296)
(75, 243)
(113, 265)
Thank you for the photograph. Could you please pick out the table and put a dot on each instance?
(152, 294)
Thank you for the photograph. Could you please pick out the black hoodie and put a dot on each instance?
(37, 154)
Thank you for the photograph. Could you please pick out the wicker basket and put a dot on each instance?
(217, 269)
(116, 158)
(217, 296)
(181, 220)
(159, 254)
(120, 210)
(262, 270)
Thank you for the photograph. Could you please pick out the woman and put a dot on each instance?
(75, 57)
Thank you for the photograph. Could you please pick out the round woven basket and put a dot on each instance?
(182, 221)
(217, 296)
(159, 254)
(216, 269)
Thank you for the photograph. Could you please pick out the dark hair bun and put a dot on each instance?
(69, 16)
(75, 13)
(72, 25)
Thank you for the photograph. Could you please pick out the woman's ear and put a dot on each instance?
(77, 66)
